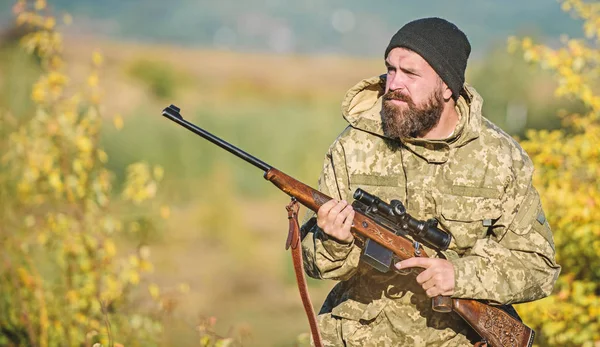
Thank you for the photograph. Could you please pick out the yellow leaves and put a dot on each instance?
(80, 318)
(552, 60)
(159, 172)
(45, 43)
(512, 44)
(134, 227)
(594, 103)
(63, 214)
(93, 80)
(30, 221)
(140, 185)
(141, 264)
(165, 212)
(84, 144)
(50, 23)
(134, 277)
(565, 6)
(102, 156)
(97, 59)
(146, 266)
(42, 238)
(144, 252)
(151, 189)
(31, 174)
(22, 17)
(205, 341)
(40, 5)
(184, 288)
(72, 296)
(95, 98)
(134, 261)
(567, 176)
(49, 87)
(67, 19)
(25, 277)
(576, 48)
(55, 181)
(154, 291)
(118, 122)
(38, 93)
(526, 43)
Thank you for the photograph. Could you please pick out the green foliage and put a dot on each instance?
(160, 78)
(63, 279)
(568, 177)
(517, 97)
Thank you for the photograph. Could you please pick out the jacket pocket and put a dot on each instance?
(468, 218)
(384, 187)
(356, 311)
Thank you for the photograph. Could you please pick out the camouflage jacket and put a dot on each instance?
(476, 183)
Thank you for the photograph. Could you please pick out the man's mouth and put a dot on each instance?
(397, 101)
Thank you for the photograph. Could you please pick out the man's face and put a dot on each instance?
(414, 95)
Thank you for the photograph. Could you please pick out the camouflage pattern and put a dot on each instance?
(477, 183)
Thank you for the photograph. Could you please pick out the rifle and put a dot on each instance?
(496, 327)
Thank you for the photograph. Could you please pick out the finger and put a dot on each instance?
(348, 222)
(326, 207)
(425, 276)
(448, 293)
(337, 209)
(415, 262)
(343, 233)
(343, 215)
(324, 211)
(333, 214)
(428, 285)
(431, 292)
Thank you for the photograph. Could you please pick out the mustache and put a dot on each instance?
(397, 95)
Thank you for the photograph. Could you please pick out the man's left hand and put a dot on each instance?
(436, 279)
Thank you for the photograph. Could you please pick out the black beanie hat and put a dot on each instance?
(442, 44)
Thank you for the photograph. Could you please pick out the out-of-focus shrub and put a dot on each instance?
(64, 280)
(568, 177)
(159, 77)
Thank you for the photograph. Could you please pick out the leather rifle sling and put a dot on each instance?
(293, 241)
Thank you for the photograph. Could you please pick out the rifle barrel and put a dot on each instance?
(172, 112)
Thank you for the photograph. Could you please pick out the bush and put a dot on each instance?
(568, 177)
(159, 77)
(64, 280)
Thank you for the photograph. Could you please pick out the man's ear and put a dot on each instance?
(447, 94)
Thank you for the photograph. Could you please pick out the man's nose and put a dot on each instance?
(395, 82)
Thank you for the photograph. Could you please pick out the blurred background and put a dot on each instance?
(186, 242)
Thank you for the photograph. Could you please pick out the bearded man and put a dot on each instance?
(416, 134)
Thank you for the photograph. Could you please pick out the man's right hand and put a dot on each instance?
(335, 219)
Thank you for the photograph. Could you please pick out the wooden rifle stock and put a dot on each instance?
(362, 225)
(494, 325)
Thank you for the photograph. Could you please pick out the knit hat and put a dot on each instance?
(442, 44)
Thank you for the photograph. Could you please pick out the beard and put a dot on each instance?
(410, 120)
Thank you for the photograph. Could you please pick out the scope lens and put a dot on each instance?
(364, 197)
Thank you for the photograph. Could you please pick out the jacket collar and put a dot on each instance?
(362, 106)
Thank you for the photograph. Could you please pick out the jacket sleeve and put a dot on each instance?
(325, 257)
(517, 262)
